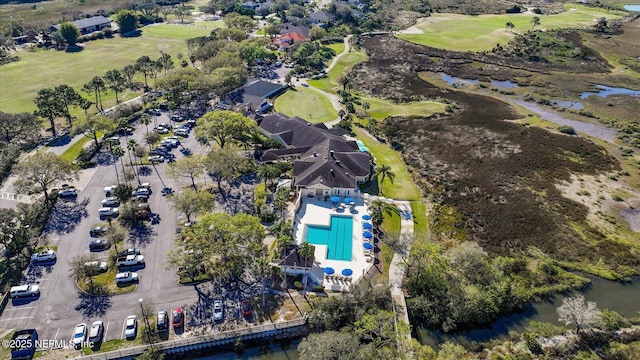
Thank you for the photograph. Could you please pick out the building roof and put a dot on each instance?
(287, 28)
(321, 16)
(255, 93)
(89, 22)
(323, 157)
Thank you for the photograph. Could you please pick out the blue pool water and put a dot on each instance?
(337, 236)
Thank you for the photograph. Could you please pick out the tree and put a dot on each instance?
(93, 126)
(117, 152)
(509, 26)
(365, 107)
(377, 328)
(129, 72)
(38, 173)
(452, 351)
(80, 271)
(224, 164)
(535, 21)
(48, 107)
(575, 310)
(131, 146)
(21, 128)
(385, 171)
(127, 21)
(225, 126)
(152, 353)
(345, 81)
(180, 85)
(146, 120)
(115, 81)
(267, 173)
(69, 32)
(188, 167)
(145, 66)
(191, 202)
(13, 236)
(317, 33)
(306, 250)
(166, 62)
(329, 345)
(96, 86)
(242, 22)
(67, 96)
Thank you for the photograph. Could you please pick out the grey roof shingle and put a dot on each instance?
(89, 22)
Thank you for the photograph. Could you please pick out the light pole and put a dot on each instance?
(146, 321)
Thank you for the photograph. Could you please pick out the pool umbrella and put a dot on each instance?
(366, 217)
(367, 226)
(347, 272)
(329, 270)
(367, 235)
(335, 199)
(368, 246)
(349, 200)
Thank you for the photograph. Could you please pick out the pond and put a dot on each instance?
(576, 105)
(506, 84)
(452, 80)
(275, 352)
(605, 91)
(617, 296)
(632, 7)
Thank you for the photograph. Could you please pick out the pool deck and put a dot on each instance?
(318, 212)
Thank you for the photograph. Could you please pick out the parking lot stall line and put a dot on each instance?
(56, 336)
(106, 330)
(124, 325)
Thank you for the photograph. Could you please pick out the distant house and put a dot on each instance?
(284, 42)
(250, 5)
(326, 164)
(89, 25)
(256, 95)
(321, 17)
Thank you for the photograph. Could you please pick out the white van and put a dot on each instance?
(24, 291)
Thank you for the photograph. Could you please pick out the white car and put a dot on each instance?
(141, 191)
(96, 267)
(161, 130)
(108, 211)
(109, 189)
(44, 255)
(126, 277)
(97, 329)
(218, 310)
(181, 132)
(131, 327)
(156, 158)
(24, 290)
(67, 192)
(111, 202)
(79, 335)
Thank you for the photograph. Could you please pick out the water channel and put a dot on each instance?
(632, 7)
(617, 296)
(275, 352)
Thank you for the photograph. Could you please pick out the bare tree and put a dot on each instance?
(575, 310)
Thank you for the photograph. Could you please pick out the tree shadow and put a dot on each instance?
(104, 158)
(144, 170)
(74, 49)
(238, 197)
(141, 235)
(65, 216)
(62, 141)
(36, 271)
(132, 34)
(92, 306)
(201, 312)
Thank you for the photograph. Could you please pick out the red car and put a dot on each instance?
(178, 318)
(246, 308)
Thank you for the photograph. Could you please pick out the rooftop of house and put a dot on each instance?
(88, 22)
(322, 16)
(255, 92)
(288, 28)
(323, 157)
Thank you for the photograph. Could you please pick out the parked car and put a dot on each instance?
(246, 308)
(155, 159)
(96, 267)
(141, 191)
(108, 211)
(161, 130)
(141, 198)
(218, 310)
(111, 202)
(67, 192)
(99, 245)
(178, 318)
(131, 327)
(162, 323)
(44, 255)
(156, 152)
(130, 251)
(126, 277)
(165, 126)
(29, 290)
(130, 260)
(96, 331)
(97, 231)
(144, 186)
(182, 132)
(79, 335)
(108, 190)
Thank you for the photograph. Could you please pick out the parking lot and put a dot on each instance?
(61, 305)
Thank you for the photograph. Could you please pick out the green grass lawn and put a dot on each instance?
(72, 152)
(419, 212)
(49, 68)
(210, 24)
(380, 109)
(403, 187)
(337, 47)
(300, 102)
(329, 84)
(483, 32)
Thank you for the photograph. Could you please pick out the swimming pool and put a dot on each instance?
(337, 236)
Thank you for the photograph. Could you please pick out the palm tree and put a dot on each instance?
(117, 152)
(385, 171)
(365, 107)
(345, 81)
(509, 25)
(306, 250)
(535, 21)
(267, 172)
(131, 146)
(146, 120)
